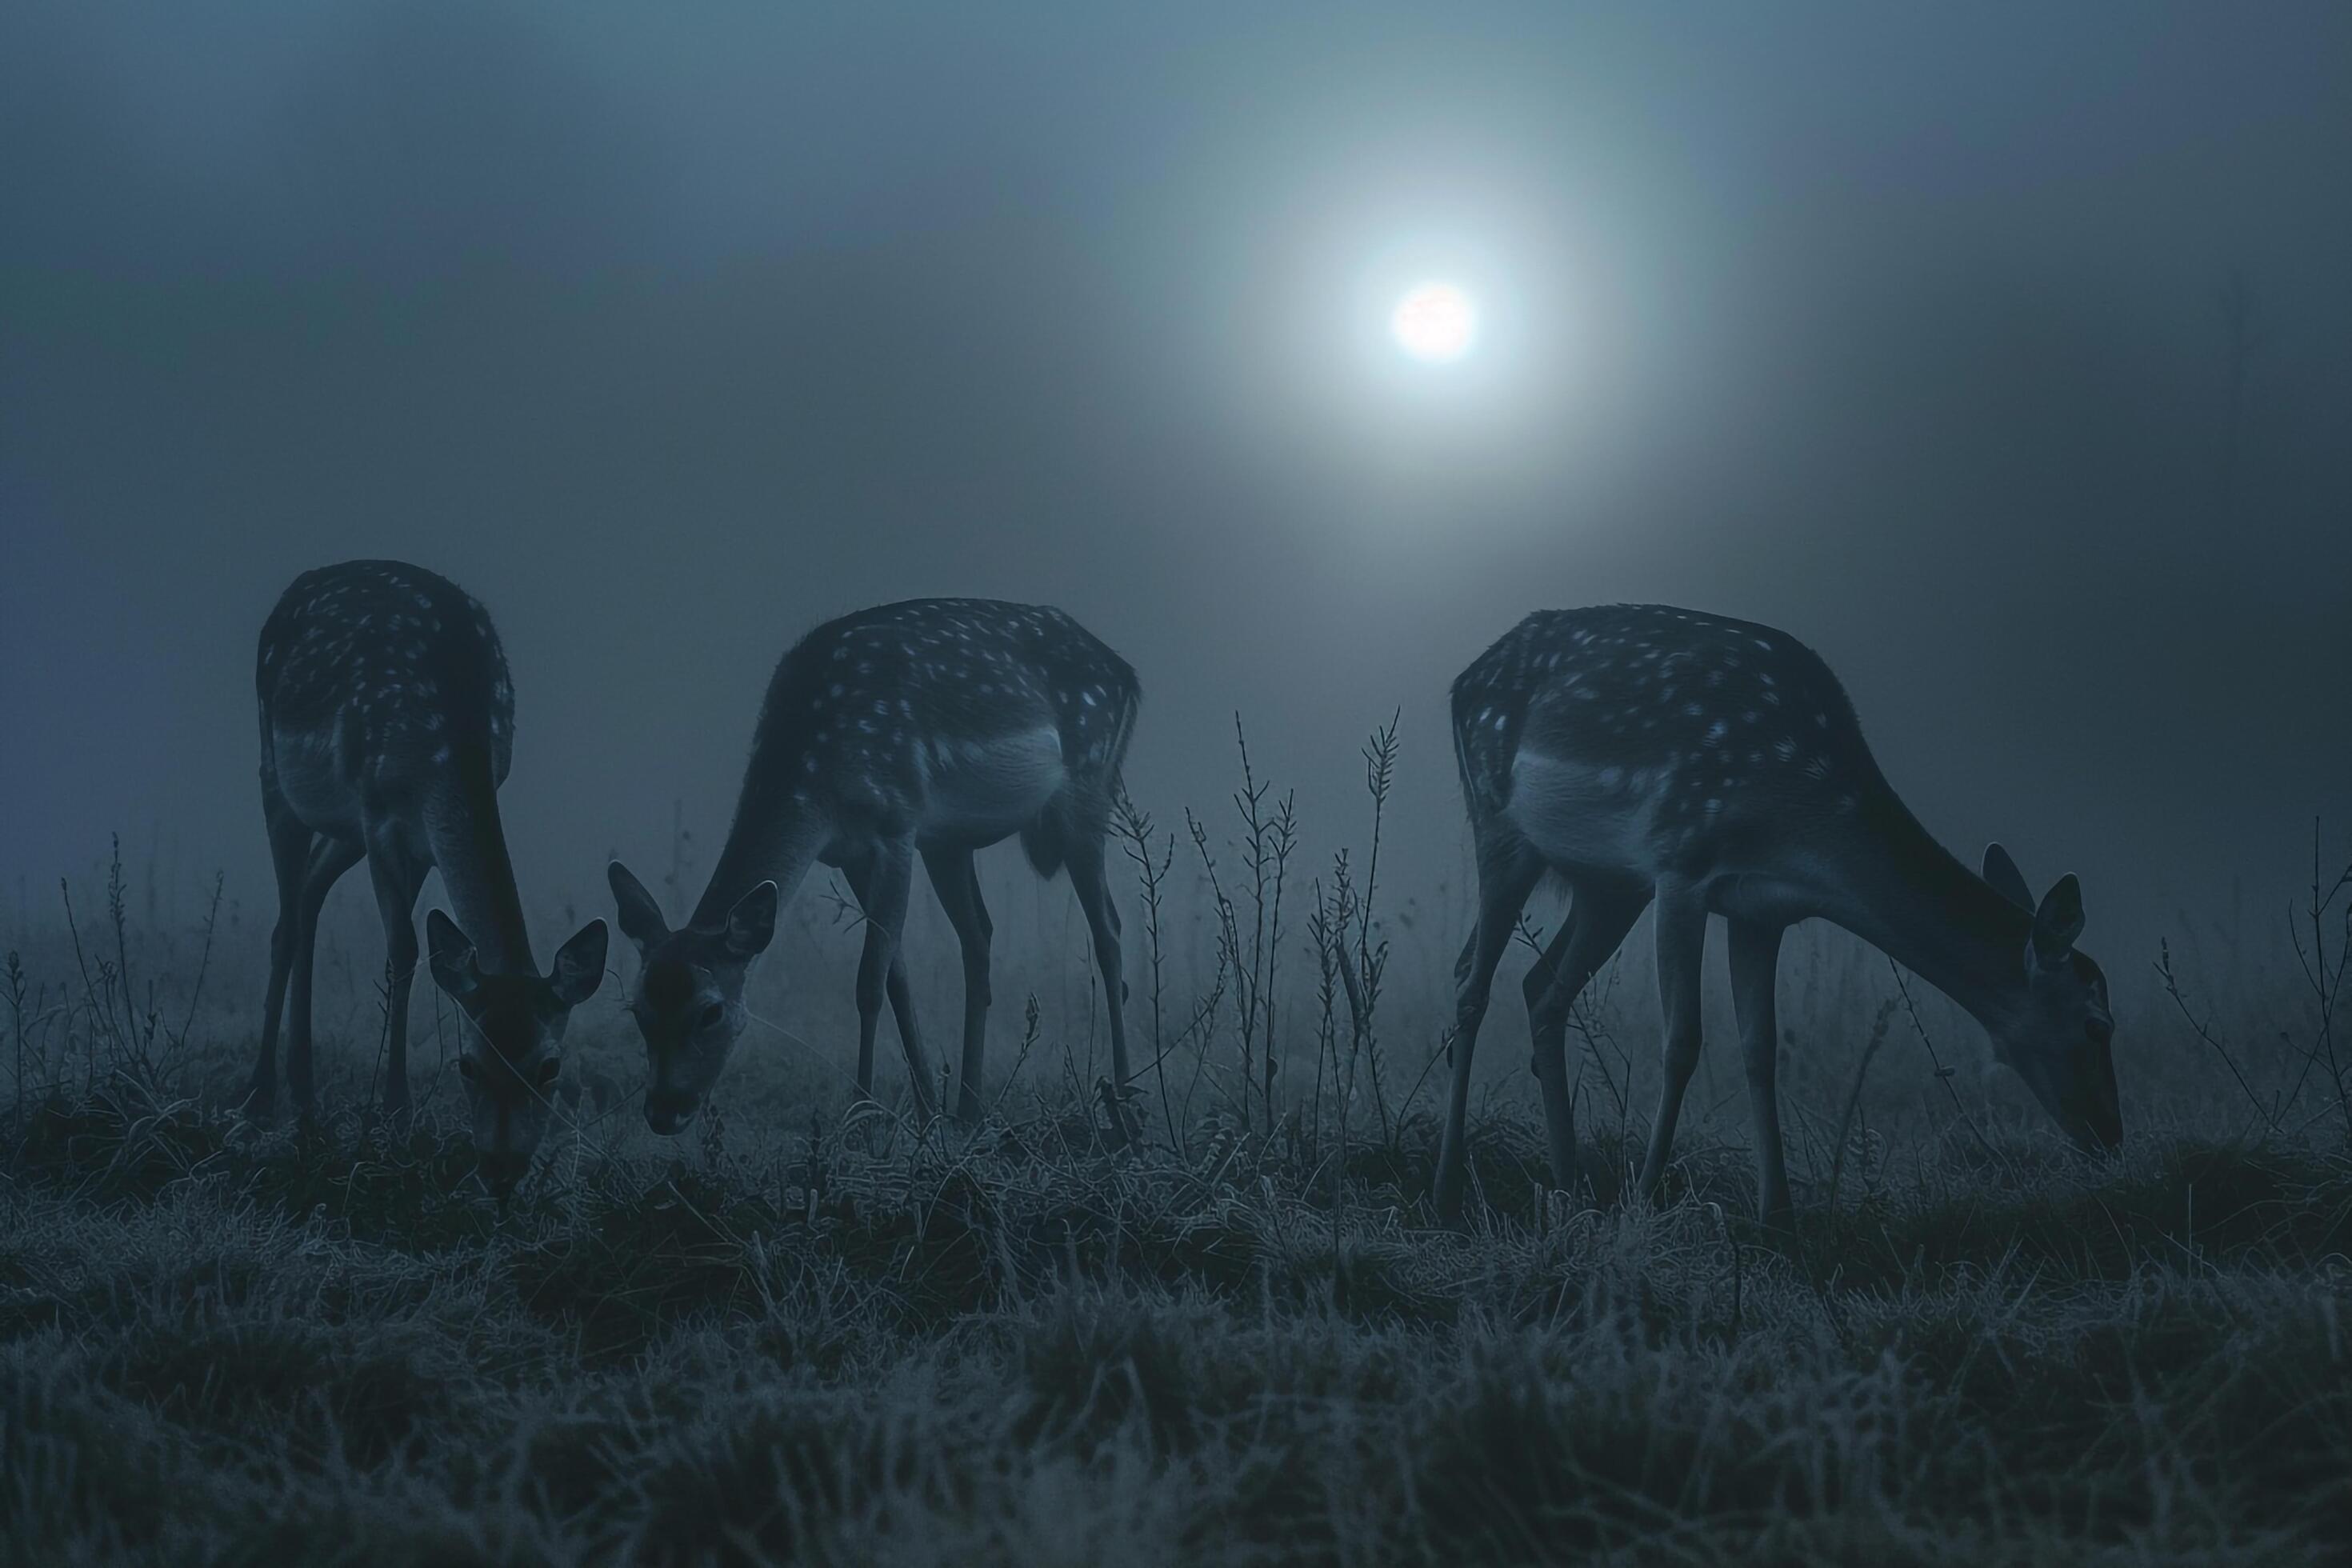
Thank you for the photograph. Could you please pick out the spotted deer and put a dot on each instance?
(931, 728)
(1644, 754)
(387, 726)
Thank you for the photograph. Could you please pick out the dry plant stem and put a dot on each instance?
(1136, 829)
(1853, 1097)
(1340, 934)
(1232, 969)
(1268, 838)
(1585, 1018)
(115, 912)
(1325, 985)
(89, 989)
(1943, 1073)
(1322, 930)
(2327, 984)
(1200, 1030)
(1284, 840)
(1029, 1033)
(17, 1016)
(205, 963)
(2180, 1004)
(1731, 1249)
(1379, 753)
(1257, 1003)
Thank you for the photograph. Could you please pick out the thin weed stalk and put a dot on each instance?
(2197, 1027)
(1362, 978)
(16, 982)
(1136, 829)
(2327, 981)
(1853, 1097)
(1943, 1073)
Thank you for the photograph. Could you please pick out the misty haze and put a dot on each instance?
(1345, 783)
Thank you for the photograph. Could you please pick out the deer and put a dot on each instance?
(387, 727)
(927, 729)
(1646, 754)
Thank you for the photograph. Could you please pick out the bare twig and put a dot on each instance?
(1853, 1095)
(2180, 1004)
(204, 963)
(1151, 872)
(1379, 753)
(2327, 981)
(16, 1015)
(1943, 1073)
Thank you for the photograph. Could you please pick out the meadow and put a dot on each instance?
(1210, 1320)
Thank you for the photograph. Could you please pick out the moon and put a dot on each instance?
(1434, 322)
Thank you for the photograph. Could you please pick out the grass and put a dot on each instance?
(1221, 1330)
(223, 1345)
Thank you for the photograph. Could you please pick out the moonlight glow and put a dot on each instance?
(1435, 322)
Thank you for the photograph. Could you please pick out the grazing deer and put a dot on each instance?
(387, 725)
(1642, 753)
(934, 727)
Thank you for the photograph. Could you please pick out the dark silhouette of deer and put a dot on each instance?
(928, 729)
(387, 726)
(1645, 753)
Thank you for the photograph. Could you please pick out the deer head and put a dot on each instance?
(688, 1003)
(2059, 1036)
(513, 1047)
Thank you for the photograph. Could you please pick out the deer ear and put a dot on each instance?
(641, 918)
(579, 965)
(2058, 921)
(2006, 879)
(454, 968)
(751, 923)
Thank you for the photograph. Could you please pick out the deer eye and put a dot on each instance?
(713, 1015)
(548, 1070)
(466, 1069)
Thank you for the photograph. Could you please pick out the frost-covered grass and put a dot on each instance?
(219, 1343)
(1228, 1332)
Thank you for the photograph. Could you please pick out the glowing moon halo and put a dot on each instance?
(1434, 322)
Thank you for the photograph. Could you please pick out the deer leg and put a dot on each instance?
(1755, 984)
(289, 856)
(1506, 875)
(1596, 925)
(398, 874)
(1086, 878)
(956, 880)
(860, 874)
(882, 890)
(1682, 942)
(329, 858)
(910, 1031)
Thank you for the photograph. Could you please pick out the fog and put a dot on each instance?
(2005, 357)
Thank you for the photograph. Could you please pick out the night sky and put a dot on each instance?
(1912, 338)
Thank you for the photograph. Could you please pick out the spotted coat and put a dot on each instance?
(397, 666)
(867, 708)
(1722, 724)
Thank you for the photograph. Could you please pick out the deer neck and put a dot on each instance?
(469, 846)
(776, 837)
(1910, 897)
